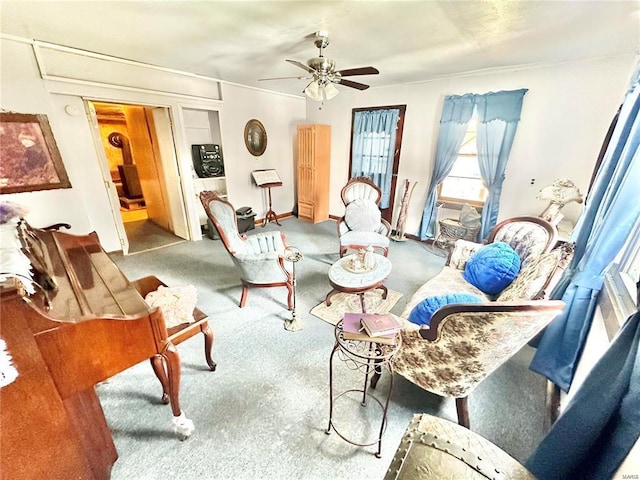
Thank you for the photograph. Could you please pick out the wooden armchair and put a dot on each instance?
(361, 224)
(259, 257)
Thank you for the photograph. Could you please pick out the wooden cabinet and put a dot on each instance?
(314, 156)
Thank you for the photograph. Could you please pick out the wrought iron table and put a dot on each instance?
(365, 357)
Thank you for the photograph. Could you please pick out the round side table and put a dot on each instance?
(346, 281)
(365, 357)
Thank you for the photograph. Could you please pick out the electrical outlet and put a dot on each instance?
(532, 182)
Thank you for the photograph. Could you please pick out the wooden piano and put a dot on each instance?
(63, 340)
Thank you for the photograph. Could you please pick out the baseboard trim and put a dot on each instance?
(260, 221)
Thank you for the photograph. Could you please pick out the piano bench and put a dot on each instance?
(178, 333)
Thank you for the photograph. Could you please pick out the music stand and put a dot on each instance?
(267, 179)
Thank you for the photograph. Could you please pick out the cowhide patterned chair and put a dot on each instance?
(465, 342)
(362, 225)
(259, 257)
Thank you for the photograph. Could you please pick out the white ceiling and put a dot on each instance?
(408, 41)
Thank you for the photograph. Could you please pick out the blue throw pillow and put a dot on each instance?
(492, 268)
(422, 313)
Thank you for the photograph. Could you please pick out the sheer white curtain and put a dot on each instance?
(374, 140)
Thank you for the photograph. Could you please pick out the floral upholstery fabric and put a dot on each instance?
(469, 348)
(528, 239)
(532, 279)
(461, 253)
(471, 345)
(449, 280)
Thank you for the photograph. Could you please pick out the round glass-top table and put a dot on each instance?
(344, 279)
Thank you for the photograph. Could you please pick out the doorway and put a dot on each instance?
(140, 160)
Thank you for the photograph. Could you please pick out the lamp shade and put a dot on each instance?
(330, 91)
(313, 91)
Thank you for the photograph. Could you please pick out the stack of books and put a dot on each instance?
(370, 327)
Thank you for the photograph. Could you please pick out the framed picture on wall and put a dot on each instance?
(30, 159)
(255, 137)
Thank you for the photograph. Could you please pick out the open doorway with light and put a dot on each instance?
(140, 155)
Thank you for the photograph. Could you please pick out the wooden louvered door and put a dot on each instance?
(314, 154)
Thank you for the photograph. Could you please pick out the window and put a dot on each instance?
(464, 182)
(629, 262)
(619, 295)
(375, 156)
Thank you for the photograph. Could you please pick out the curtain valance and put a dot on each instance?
(504, 105)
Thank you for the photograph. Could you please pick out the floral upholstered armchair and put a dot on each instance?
(464, 343)
(259, 257)
(362, 225)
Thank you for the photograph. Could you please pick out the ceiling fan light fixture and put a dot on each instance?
(330, 90)
(313, 91)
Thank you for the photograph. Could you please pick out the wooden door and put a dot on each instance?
(147, 164)
(165, 154)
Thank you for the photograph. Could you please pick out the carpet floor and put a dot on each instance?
(145, 235)
(262, 414)
(350, 302)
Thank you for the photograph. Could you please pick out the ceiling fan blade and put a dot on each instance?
(285, 78)
(301, 65)
(358, 71)
(349, 83)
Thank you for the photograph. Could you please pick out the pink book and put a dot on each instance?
(352, 329)
(380, 325)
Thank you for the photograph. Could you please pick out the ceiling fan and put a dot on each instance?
(324, 74)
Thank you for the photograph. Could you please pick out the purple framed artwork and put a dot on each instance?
(29, 156)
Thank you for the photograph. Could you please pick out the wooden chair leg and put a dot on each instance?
(245, 294)
(172, 361)
(208, 345)
(157, 363)
(463, 411)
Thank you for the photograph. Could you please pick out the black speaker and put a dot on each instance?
(207, 160)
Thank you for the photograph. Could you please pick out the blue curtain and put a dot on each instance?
(456, 113)
(498, 117)
(372, 155)
(611, 209)
(602, 422)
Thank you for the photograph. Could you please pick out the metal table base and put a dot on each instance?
(367, 358)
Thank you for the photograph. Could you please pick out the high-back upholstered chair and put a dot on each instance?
(259, 257)
(466, 342)
(362, 224)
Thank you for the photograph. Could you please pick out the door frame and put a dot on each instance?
(103, 165)
(103, 161)
(387, 213)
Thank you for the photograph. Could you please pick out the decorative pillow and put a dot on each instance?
(532, 279)
(422, 312)
(362, 215)
(492, 268)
